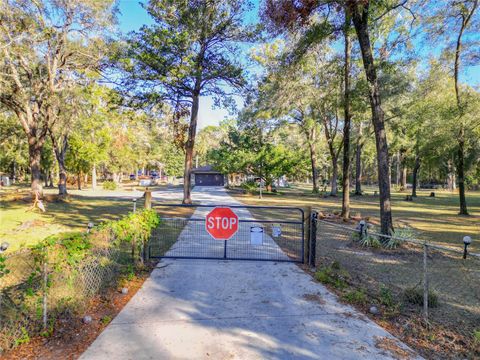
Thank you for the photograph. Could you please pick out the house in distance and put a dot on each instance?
(207, 176)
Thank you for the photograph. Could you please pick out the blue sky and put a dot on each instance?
(133, 16)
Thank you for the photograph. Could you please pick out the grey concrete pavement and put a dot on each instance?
(209, 309)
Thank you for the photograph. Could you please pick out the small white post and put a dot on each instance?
(467, 240)
(363, 229)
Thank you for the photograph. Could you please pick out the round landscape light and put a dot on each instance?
(467, 240)
(4, 246)
(90, 225)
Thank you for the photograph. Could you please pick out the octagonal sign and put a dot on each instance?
(221, 223)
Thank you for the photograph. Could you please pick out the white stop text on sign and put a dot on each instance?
(221, 223)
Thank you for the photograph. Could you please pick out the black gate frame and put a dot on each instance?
(302, 223)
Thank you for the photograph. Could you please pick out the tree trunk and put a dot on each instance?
(329, 135)
(461, 174)
(311, 136)
(451, 181)
(62, 176)
(466, 16)
(56, 172)
(416, 167)
(14, 172)
(60, 150)
(397, 171)
(402, 169)
(403, 183)
(313, 162)
(360, 20)
(94, 177)
(358, 163)
(389, 171)
(79, 181)
(334, 180)
(192, 129)
(346, 126)
(34, 153)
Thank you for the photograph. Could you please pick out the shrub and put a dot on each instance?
(356, 297)
(414, 296)
(375, 241)
(106, 320)
(24, 338)
(476, 336)
(3, 268)
(250, 186)
(79, 265)
(109, 185)
(135, 227)
(335, 265)
(386, 297)
(367, 241)
(333, 275)
(401, 234)
(128, 274)
(66, 248)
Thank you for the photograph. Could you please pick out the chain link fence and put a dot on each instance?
(15, 319)
(37, 288)
(395, 277)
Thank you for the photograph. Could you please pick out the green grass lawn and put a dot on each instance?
(433, 218)
(21, 227)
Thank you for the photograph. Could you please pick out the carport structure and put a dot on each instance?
(207, 176)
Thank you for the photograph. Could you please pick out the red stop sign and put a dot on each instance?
(221, 223)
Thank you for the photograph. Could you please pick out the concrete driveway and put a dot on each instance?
(216, 309)
(194, 241)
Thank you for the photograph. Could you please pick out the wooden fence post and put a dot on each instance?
(148, 199)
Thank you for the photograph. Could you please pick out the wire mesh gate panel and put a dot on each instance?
(264, 233)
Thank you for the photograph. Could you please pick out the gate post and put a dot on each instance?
(148, 199)
(313, 239)
(306, 235)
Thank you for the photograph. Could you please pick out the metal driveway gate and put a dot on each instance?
(264, 233)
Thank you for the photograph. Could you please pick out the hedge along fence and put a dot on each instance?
(57, 277)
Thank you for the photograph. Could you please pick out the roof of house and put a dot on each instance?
(205, 169)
